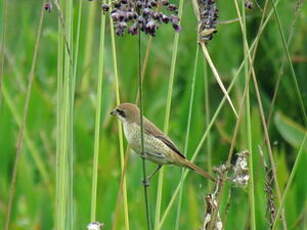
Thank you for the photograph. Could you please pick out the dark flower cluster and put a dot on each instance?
(208, 19)
(48, 7)
(133, 16)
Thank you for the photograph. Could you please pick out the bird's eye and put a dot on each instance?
(121, 112)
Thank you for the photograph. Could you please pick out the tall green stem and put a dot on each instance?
(88, 49)
(197, 150)
(186, 143)
(140, 84)
(65, 110)
(251, 190)
(120, 133)
(98, 118)
(166, 120)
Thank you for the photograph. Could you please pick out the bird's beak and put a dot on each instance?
(113, 113)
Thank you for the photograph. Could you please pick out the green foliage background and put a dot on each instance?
(34, 200)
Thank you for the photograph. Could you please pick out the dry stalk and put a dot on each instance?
(268, 188)
(239, 176)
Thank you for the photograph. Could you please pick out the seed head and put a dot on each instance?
(48, 7)
(133, 16)
(208, 17)
(105, 7)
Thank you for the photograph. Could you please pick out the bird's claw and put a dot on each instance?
(146, 182)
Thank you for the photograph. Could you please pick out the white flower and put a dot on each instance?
(94, 226)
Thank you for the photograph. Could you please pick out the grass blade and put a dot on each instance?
(289, 183)
(293, 75)
(217, 77)
(64, 218)
(120, 133)
(166, 119)
(197, 150)
(186, 143)
(21, 133)
(98, 118)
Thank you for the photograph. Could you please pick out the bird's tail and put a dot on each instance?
(198, 170)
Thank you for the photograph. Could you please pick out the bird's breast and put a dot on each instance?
(131, 132)
(153, 147)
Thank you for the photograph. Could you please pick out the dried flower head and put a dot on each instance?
(240, 169)
(133, 16)
(95, 226)
(212, 218)
(208, 18)
(249, 4)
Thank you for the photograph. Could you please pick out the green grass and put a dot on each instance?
(59, 84)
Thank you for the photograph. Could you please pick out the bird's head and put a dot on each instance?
(126, 112)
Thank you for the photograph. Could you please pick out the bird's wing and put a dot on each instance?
(170, 144)
(151, 129)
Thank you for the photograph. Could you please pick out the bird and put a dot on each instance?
(158, 147)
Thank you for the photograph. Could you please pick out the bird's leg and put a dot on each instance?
(146, 182)
(154, 172)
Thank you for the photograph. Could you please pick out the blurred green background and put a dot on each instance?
(34, 200)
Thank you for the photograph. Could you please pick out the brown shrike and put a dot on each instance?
(158, 147)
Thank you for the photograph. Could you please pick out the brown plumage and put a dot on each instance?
(158, 147)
